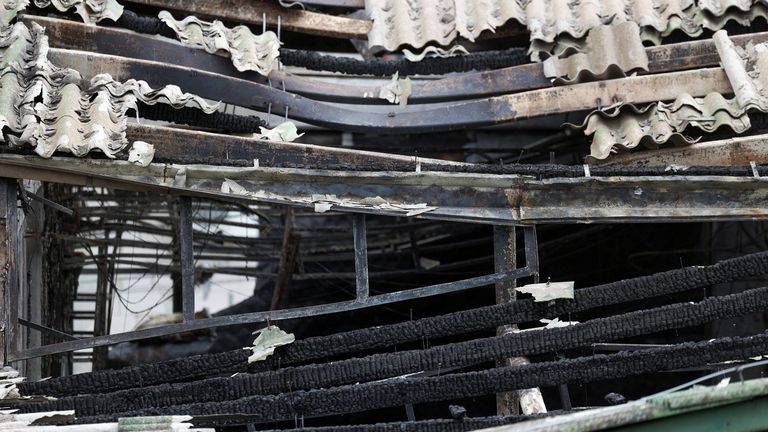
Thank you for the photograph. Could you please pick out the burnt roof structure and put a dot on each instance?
(375, 215)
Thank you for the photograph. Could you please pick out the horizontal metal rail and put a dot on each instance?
(284, 314)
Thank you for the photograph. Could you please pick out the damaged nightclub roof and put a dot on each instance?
(383, 215)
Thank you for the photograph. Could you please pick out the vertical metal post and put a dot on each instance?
(100, 354)
(187, 259)
(505, 259)
(532, 251)
(288, 257)
(9, 276)
(361, 256)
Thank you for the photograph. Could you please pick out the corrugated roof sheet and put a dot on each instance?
(554, 25)
(91, 11)
(609, 52)
(418, 22)
(626, 127)
(46, 107)
(248, 51)
(9, 9)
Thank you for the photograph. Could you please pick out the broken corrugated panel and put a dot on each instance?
(170, 95)
(91, 11)
(248, 51)
(45, 107)
(609, 52)
(397, 23)
(721, 7)
(10, 8)
(419, 22)
(747, 71)
(626, 127)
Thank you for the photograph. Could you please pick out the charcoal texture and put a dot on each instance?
(381, 366)
(194, 117)
(479, 61)
(197, 367)
(313, 61)
(397, 392)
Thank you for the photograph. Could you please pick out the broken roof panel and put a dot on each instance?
(747, 71)
(91, 11)
(9, 9)
(626, 127)
(46, 107)
(248, 51)
(397, 23)
(609, 52)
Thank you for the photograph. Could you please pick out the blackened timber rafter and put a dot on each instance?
(458, 116)
(118, 42)
(252, 11)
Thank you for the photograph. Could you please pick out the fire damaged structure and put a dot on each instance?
(383, 215)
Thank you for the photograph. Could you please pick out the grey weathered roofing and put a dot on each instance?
(549, 22)
(627, 127)
(609, 52)
(49, 109)
(91, 11)
(9, 9)
(248, 51)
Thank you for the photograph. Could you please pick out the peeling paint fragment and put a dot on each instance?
(269, 338)
(433, 51)
(543, 292)
(247, 51)
(369, 203)
(286, 132)
(397, 91)
(141, 153)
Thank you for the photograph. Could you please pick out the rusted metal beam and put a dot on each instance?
(505, 258)
(252, 11)
(461, 197)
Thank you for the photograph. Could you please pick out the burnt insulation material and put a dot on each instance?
(226, 363)
(381, 366)
(479, 61)
(437, 425)
(401, 391)
(195, 117)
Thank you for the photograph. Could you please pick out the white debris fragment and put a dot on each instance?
(396, 91)
(322, 207)
(269, 338)
(428, 263)
(323, 202)
(548, 291)
(433, 51)
(286, 132)
(555, 323)
(141, 153)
